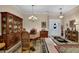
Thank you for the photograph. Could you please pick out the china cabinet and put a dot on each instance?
(11, 28)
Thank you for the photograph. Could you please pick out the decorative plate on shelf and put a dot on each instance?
(4, 25)
(15, 27)
(4, 19)
(10, 26)
(4, 32)
(10, 20)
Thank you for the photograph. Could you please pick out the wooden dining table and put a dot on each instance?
(34, 37)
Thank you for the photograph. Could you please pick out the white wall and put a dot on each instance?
(28, 24)
(12, 9)
(52, 31)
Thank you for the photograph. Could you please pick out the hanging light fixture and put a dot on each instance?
(61, 15)
(32, 17)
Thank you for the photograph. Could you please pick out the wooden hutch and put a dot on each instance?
(11, 28)
(43, 34)
(72, 35)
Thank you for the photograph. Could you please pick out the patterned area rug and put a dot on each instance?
(37, 45)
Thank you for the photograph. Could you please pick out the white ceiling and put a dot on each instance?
(27, 9)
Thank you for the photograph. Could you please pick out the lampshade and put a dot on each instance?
(61, 16)
(75, 23)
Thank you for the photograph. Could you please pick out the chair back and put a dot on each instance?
(25, 40)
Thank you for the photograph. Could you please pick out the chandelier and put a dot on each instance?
(61, 15)
(32, 17)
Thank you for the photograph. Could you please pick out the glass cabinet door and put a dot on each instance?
(10, 23)
(15, 26)
(4, 21)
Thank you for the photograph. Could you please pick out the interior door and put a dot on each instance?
(54, 27)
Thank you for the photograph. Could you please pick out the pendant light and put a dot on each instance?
(32, 17)
(61, 15)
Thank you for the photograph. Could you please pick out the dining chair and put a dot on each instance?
(25, 41)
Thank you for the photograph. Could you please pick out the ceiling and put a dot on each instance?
(27, 9)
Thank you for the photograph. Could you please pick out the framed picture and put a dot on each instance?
(43, 24)
(72, 23)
